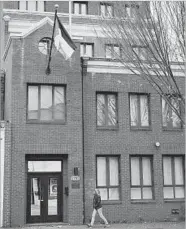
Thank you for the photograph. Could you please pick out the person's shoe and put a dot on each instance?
(89, 226)
(107, 225)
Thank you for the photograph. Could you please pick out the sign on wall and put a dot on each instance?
(75, 181)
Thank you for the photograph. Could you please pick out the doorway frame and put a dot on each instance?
(44, 157)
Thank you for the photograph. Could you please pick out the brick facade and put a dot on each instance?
(125, 142)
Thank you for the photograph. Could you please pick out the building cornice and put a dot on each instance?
(103, 65)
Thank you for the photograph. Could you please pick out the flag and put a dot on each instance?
(62, 40)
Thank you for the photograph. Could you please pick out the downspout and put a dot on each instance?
(83, 73)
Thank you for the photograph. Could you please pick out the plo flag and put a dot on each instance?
(62, 40)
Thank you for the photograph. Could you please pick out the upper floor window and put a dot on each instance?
(141, 177)
(46, 103)
(106, 110)
(106, 10)
(140, 52)
(173, 177)
(87, 49)
(31, 5)
(130, 10)
(112, 51)
(169, 117)
(108, 177)
(139, 110)
(80, 8)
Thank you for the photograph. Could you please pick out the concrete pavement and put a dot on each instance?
(154, 225)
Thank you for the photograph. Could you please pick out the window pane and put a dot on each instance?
(135, 193)
(113, 194)
(175, 119)
(167, 170)
(179, 192)
(100, 110)
(44, 166)
(32, 102)
(59, 103)
(114, 171)
(46, 103)
(35, 196)
(41, 6)
(110, 11)
(76, 8)
(32, 5)
(135, 171)
(108, 51)
(103, 193)
(89, 50)
(101, 171)
(133, 110)
(178, 170)
(102, 10)
(144, 110)
(168, 192)
(146, 166)
(128, 11)
(83, 9)
(22, 5)
(112, 110)
(116, 52)
(147, 193)
(165, 113)
(81, 49)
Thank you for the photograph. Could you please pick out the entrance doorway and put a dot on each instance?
(44, 193)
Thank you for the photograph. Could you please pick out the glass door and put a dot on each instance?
(44, 198)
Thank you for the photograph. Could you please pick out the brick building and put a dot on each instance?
(66, 133)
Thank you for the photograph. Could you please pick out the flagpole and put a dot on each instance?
(48, 71)
(70, 18)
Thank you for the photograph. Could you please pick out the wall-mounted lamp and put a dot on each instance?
(157, 144)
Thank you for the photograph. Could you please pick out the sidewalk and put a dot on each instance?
(154, 225)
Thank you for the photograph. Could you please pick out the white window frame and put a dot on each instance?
(172, 175)
(83, 49)
(141, 185)
(80, 7)
(104, 12)
(107, 186)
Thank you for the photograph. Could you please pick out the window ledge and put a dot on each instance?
(111, 202)
(143, 201)
(46, 123)
(141, 128)
(172, 129)
(107, 128)
(174, 200)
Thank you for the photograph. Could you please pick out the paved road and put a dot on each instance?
(164, 225)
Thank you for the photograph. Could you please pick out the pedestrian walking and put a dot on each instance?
(97, 208)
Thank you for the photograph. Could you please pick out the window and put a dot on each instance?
(112, 51)
(141, 177)
(81, 8)
(130, 10)
(140, 51)
(106, 10)
(86, 50)
(106, 110)
(31, 5)
(108, 177)
(169, 118)
(46, 103)
(173, 177)
(139, 110)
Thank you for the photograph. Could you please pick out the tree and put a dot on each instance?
(151, 41)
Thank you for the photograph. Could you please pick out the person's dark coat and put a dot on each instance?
(97, 201)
